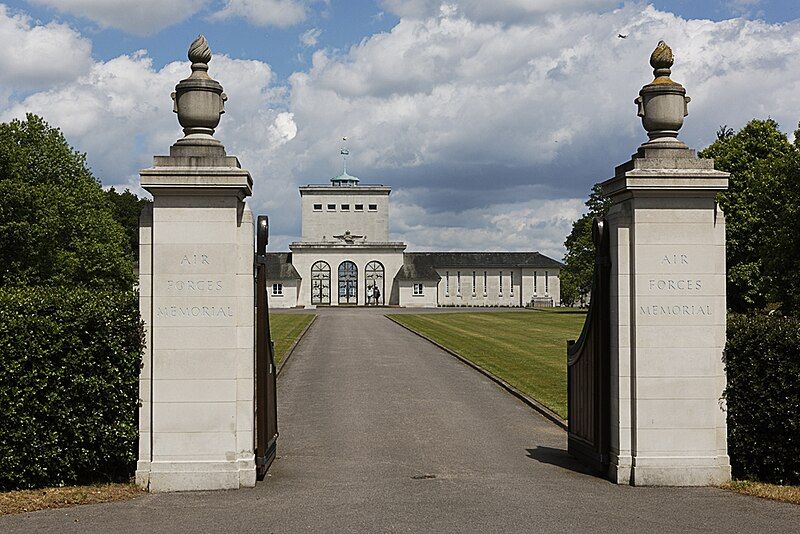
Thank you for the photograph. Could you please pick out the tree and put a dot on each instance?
(56, 224)
(126, 209)
(576, 277)
(751, 155)
(777, 193)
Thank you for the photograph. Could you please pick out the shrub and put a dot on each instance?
(68, 385)
(762, 360)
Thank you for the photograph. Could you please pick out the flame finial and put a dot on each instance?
(661, 60)
(199, 51)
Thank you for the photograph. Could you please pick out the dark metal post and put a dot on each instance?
(266, 397)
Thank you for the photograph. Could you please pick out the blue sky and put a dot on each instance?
(491, 120)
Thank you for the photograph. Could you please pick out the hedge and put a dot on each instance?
(69, 364)
(762, 359)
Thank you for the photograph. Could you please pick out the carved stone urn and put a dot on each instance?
(662, 103)
(199, 100)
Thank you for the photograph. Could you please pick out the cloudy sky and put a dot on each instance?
(490, 119)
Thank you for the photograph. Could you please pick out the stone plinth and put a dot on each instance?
(196, 284)
(667, 320)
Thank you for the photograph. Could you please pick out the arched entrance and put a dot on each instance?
(373, 277)
(348, 283)
(321, 283)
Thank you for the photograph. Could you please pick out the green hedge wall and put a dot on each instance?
(762, 359)
(69, 364)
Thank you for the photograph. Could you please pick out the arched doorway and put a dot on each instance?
(321, 283)
(348, 283)
(373, 277)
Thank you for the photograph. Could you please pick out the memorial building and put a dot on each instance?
(345, 252)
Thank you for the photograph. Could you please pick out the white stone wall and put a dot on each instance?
(426, 300)
(487, 291)
(667, 340)
(317, 226)
(196, 384)
(289, 297)
(392, 260)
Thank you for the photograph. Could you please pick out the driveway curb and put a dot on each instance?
(294, 345)
(549, 414)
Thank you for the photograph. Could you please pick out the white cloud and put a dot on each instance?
(142, 17)
(280, 13)
(533, 224)
(470, 115)
(35, 55)
(495, 10)
(489, 133)
(120, 113)
(310, 37)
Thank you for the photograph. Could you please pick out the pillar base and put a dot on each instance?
(195, 476)
(670, 471)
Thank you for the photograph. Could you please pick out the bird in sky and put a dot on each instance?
(622, 36)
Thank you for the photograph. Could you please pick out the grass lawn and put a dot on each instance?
(15, 502)
(284, 329)
(527, 349)
(790, 494)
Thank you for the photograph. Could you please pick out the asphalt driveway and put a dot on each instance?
(383, 432)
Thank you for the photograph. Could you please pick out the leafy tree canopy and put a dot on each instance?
(127, 207)
(576, 277)
(56, 223)
(759, 159)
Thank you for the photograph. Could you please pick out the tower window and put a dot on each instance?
(317, 207)
(345, 207)
(359, 207)
(331, 207)
(373, 207)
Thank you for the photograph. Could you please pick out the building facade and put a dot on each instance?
(345, 254)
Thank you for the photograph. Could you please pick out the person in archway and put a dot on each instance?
(376, 293)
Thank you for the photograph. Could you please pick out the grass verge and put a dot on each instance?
(20, 501)
(774, 492)
(527, 349)
(284, 329)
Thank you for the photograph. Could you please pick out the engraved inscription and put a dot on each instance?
(674, 285)
(194, 311)
(675, 310)
(194, 285)
(680, 285)
(195, 259)
(194, 288)
(675, 259)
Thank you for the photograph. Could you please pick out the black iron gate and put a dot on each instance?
(588, 367)
(266, 394)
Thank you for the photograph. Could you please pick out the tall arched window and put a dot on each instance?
(320, 283)
(374, 278)
(348, 283)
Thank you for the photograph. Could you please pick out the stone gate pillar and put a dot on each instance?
(668, 305)
(196, 299)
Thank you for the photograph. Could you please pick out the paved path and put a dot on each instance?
(382, 432)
